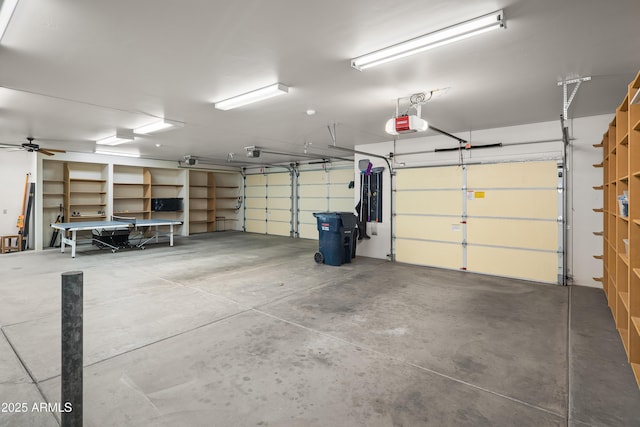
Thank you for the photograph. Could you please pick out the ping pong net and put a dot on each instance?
(128, 221)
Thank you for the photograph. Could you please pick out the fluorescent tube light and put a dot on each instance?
(6, 11)
(121, 136)
(253, 96)
(432, 40)
(157, 126)
(114, 153)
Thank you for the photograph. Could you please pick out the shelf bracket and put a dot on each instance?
(566, 102)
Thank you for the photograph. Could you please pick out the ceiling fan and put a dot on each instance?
(30, 146)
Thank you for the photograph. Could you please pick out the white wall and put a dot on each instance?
(14, 165)
(582, 221)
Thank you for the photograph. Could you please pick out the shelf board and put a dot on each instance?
(624, 218)
(624, 296)
(198, 186)
(625, 178)
(86, 180)
(199, 198)
(598, 256)
(86, 204)
(226, 209)
(128, 183)
(635, 367)
(599, 165)
(129, 212)
(127, 198)
(637, 125)
(226, 186)
(167, 185)
(598, 233)
(637, 272)
(636, 221)
(87, 192)
(636, 322)
(624, 140)
(87, 216)
(227, 198)
(624, 258)
(624, 334)
(636, 174)
(598, 145)
(599, 187)
(597, 279)
(599, 210)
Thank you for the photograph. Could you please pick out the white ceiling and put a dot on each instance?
(72, 72)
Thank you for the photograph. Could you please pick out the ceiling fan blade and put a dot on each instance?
(45, 152)
(53, 150)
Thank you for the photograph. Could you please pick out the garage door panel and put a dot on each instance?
(283, 179)
(256, 192)
(529, 265)
(308, 231)
(279, 228)
(514, 233)
(445, 202)
(258, 214)
(341, 205)
(340, 190)
(254, 226)
(280, 203)
(279, 215)
(436, 177)
(278, 191)
(314, 205)
(513, 175)
(515, 203)
(313, 191)
(434, 254)
(313, 177)
(430, 228)
(341, 175)
(253, 203)
(256, 180)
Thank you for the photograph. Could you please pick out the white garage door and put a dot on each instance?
(499, 219)
(323, 191)
(268, 204)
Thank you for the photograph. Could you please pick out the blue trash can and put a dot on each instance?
(336, 237)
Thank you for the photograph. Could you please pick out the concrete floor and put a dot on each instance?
(235, 329)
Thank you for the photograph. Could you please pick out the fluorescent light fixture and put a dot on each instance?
(432, 40)
(6, 11)
(253, 96)
(114, 153)
(121, 136)
(157, 126)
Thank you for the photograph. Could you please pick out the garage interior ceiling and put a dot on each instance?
(73, 72)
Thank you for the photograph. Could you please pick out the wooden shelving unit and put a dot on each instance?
(85, 189)
(621, 234)
(202, 202)
(131, 192)
(166, 184)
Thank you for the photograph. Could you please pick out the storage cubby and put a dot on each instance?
(621, 229)
(131, 192)
(202, 202)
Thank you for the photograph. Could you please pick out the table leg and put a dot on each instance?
(73, 244)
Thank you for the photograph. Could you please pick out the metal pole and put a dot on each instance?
(71, 373)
